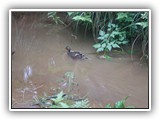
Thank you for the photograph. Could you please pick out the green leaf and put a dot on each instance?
(100, 49)
(109, 47)
(108, 57)
(109, 24)
(112, 35)
(69, 75)
(64, 105)
(119, 42)
(129, 19)
(82, 18)
(115, 46)
(81, 104)
(106, 36)
(51, 14)
(115, 32)
(143, 24)
(145, 15)
(70, 13)
(54, 106)
(104, 45)
(102, 33)
(121, 16)
(113, 25)
(98, 45)
(59, 97)
(119, 104)
(124, 42)
(108, 106)
(101, 38)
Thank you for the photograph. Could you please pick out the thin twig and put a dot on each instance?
(133, 46)
(38, 87)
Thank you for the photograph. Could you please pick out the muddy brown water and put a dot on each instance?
(41, 46)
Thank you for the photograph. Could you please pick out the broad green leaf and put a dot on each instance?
(82, 18)
(106, 36)
(102, 33)
(143, 24)
(104, 45)
(100, 49)
(101, 38)
(109, 47)
(76, 18)
(98, 45)
(121, 16)
(115, 46)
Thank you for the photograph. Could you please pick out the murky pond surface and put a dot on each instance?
(40, 53)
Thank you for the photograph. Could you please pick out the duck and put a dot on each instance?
(75, 54)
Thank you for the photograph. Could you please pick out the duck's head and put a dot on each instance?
(67, 48)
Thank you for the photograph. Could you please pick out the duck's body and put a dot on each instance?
(75, 54)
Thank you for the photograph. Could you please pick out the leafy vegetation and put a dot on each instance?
(110, 40)
(112, 30)
(68, 99)
(55, 18)
(61, 100)
(65, 96)
(119, 104)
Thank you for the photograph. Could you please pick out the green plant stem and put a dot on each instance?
(133, 46)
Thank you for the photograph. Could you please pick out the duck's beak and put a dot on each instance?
(67, 48)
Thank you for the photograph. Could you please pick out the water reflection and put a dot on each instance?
(27, 73)
(51, 62)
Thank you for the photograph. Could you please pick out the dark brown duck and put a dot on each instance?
(75, 54)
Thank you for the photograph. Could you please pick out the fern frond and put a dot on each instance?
(81, 104)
